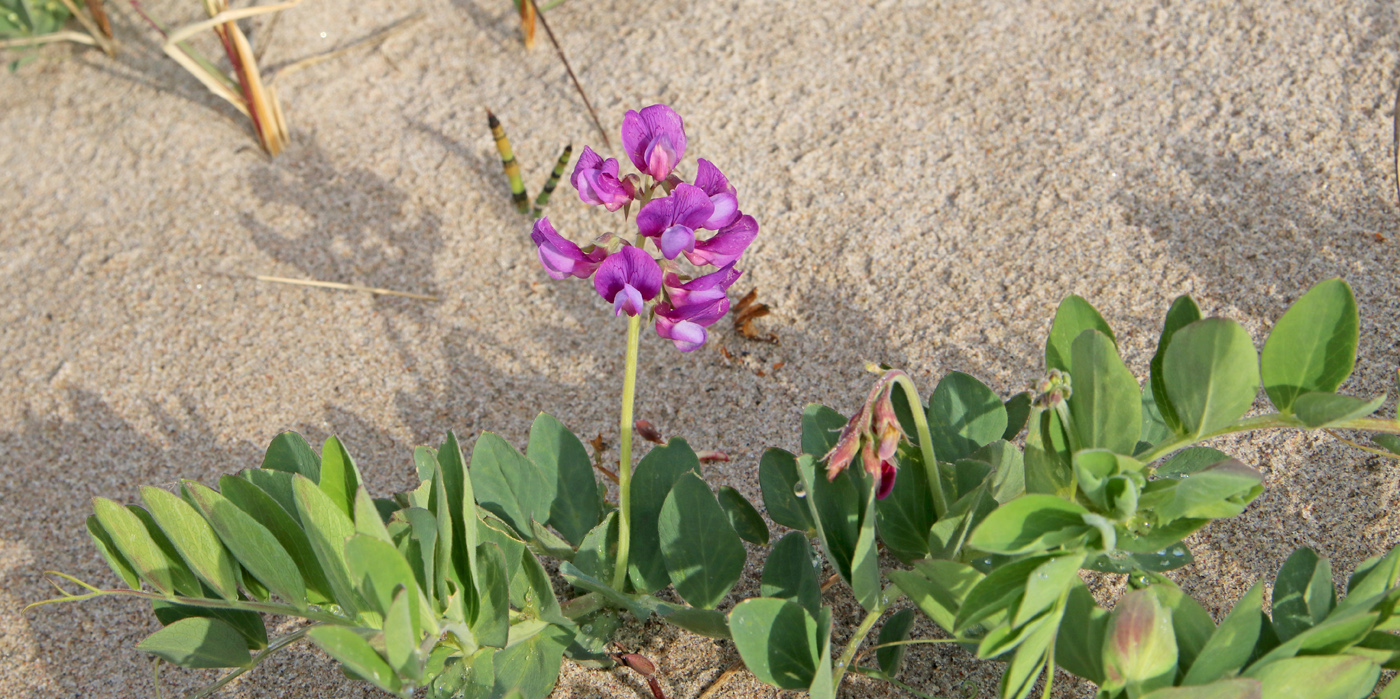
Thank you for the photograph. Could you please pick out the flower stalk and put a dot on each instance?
(624, 461)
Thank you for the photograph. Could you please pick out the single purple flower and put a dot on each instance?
(725, 246)
(628, 279)
(674, 219)
(701, 289)
(685, 325)
(722, 194)
(597, 182)
(654, 139)
(560, 256)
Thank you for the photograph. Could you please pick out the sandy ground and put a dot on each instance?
(931, 178)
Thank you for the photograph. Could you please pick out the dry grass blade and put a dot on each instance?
(101, 39)
(99, 15)
(228, 16)
(1395, 141)
(345, 287)
(75, 37)
(527, 22)
(373, 39)
(729, 672)
(565, 60)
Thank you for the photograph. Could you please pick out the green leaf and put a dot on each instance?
(964, 416)
(1045, 586)
(1079, 645)
(1232, 644)
(1028, 524)
(1008, 464)
(821, 427)
(356, 654)
(1317, 410)
(1019, 679)
(402, 635)
(896, 628)
(367, 519)
(137, 546)
(1191, 623)
(651, 483)
(865, 562)
(1191, 460)
(704, 556)
(1182, 313)
(327, 529)
(938, 587)
(1217, 491)
(509, 485)
(705, 622)
(540, 600)
(1317, 677)
(597, 555)
(531, 666)
(1312, 348)
(289, 452)
(746, 520)
(584, 581)
(576, 507)
(1018, 409)
(251, 543)
(492, 624)
(998, 592)
(1073, 317)
(1224, 689)
(1154, 426)
(275, 484)
(905, 517)
(835, 506)
(778, 641)
(196, 541)
(1047, 457)
(108, 548)
(1211, 373)
(461, 508)
(1106, 406)
(198, 642)
(378, 569)
(1303, 593)
(778, 477)
(339, 475)
(791, 573)
(248, 624)
(265, 510)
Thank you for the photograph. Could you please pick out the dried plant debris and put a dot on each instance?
(648, 431)
(745, 312)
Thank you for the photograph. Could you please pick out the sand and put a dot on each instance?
(931, 178)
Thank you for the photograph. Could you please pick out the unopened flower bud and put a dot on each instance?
(1140, 646)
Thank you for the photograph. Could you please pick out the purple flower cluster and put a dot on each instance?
(629, 277)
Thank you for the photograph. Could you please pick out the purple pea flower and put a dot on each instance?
(725, 246)
(628, 279)
(674, 219)
(685, 325)
(654, 139)
(597, 182)
(722, 194)
(700, 290)
(560, 256)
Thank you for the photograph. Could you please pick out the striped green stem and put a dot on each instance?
(512, 168)
(553, 181)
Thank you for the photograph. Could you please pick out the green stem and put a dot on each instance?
(916, 406)
(839, 671)
(1263, 422)
(244, 605)
(624, 464)
(277, 645)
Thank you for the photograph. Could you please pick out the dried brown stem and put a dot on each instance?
(346, 287)
(729, 672)
(560, 50)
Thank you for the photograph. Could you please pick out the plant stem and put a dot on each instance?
(277, 645)
(1263, 422)
(624, 462)
(916, 406)
(839, 671)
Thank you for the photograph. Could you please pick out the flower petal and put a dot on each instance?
(635, 139)
(686, 336)
(702, 289)
(655, 217)
(886, 482)
(710, 180)
(632, 267)
(587, 160)
(675, 240)
(692, 208)
(726, 211)
(727, 245)
(560, 256)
